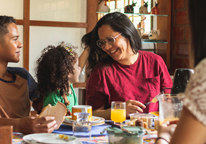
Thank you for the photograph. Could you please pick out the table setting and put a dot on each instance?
(79, 128)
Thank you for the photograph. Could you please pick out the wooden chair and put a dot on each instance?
(6, 134)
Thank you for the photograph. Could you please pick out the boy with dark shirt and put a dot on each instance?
(17, 87)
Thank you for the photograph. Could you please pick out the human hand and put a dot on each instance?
(166, 130)
(29, 125)
(133, 106)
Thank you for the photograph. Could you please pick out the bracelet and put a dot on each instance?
(160, 138)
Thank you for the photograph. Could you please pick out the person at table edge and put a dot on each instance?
(120, 70)
(17, 87)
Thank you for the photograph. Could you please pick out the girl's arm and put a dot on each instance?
(189, 130)
(83, 58)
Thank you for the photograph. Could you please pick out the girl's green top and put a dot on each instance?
(53, 97)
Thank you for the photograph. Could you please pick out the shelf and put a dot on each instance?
(137, 14)
(154, 41)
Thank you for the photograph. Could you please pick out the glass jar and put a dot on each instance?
(117, 136)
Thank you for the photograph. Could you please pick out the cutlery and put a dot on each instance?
(103, 130)
(117, 126)
(154, 100)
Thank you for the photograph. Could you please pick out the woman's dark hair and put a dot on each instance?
(118, 23)
(53, 68)
(86, 39)
(198, 29)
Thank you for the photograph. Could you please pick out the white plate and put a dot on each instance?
(49, 138)
(28, 140)
(95, 120)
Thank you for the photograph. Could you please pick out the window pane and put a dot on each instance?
(41, 37)
(58, 10)
(12, 8)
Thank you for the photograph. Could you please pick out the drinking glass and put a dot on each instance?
(118, 111)
(81, 127)
(170, 108)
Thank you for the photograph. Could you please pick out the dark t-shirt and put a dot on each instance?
(141, 81)
(16, 95)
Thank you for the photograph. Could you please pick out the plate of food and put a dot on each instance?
(95, 120)
(51, 138)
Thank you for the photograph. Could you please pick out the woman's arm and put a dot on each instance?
(188, 131)
(83, 58)
(101, 112)
(132, 106)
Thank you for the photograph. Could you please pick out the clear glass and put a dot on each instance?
(82, 127)
(156, 122)
(118, 111)
(170, 108)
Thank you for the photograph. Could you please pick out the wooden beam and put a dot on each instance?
(19, 22)
(79, 85)
(91, 14)
(169, 28)
(26, 34)
(58, 24)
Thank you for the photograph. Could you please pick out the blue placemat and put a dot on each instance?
(66, 129)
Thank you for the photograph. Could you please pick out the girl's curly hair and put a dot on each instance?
(53, 68)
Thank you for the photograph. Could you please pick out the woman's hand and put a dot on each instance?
(133, 106)
(166, 130)
(29, 125)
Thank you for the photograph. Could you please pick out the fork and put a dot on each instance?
(154, 100)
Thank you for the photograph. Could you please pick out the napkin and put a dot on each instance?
(66, 129)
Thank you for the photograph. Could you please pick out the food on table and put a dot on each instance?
(146, 118)
(139, 122)
(155, 113)
(64, 137)
(58, 111)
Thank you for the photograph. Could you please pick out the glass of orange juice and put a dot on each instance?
(118, 111)
(170, 108)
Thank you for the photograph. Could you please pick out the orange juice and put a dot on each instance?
(82, 108)
(154, 113)
(118, 115)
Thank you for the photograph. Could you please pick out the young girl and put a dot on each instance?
(56, 71)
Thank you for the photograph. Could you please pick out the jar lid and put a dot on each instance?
(139, 131)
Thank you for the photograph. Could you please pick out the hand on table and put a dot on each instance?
(166, 130)
(29, 125)
(133, 106)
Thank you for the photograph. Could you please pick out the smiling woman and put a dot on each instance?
(120, 70)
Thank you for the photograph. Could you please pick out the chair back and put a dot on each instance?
(6, 134)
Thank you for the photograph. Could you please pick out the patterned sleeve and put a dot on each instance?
(194, 97)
